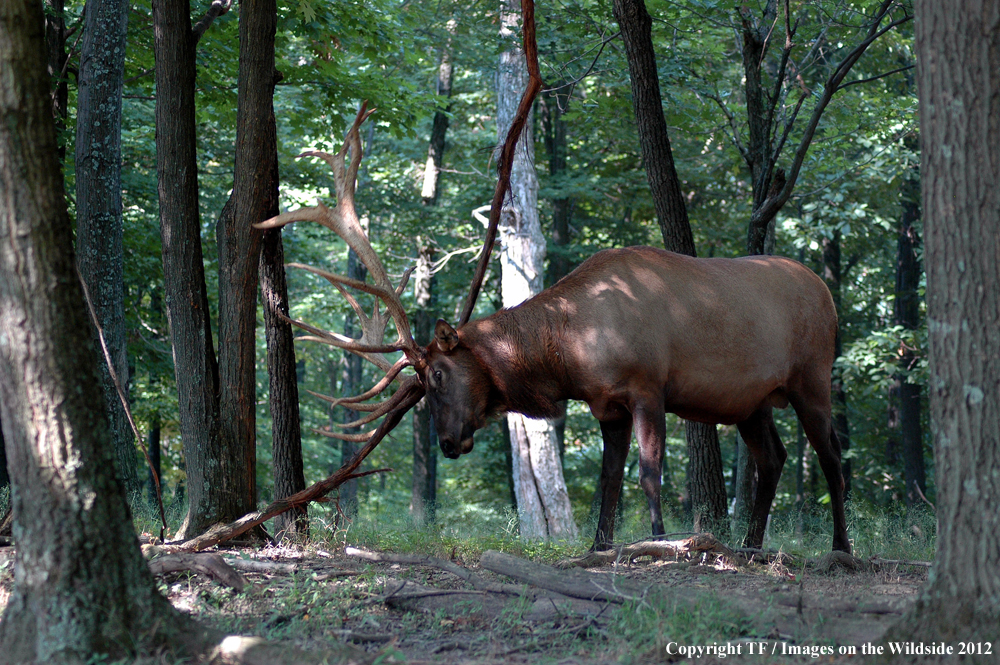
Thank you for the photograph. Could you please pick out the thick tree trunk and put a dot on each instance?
(99, 234)
(423, 496)
(542, 500)
(958, 68)
(706, 484)
(286, 434)
(253, 200)
(82, 587)
(906, 313)
(183, 271)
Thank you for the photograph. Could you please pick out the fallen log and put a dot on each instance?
(574, 583)
(462, 573)
(208, 564)
(658, 549)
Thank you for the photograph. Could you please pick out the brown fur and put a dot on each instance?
(640, 331)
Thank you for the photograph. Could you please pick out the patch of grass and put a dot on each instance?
(641, 630)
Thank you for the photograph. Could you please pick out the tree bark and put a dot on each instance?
(195, 365)
(286, 434)
(958, 68)
(253, 200)
(82, 587)
(99, 233)
(706, 484)
(906, 313)
(542, 500)
(439, 127)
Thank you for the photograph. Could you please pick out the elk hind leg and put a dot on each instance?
(651, 432)
(769, 454)
(617, 436)
(817, 423)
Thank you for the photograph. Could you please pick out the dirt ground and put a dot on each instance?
(406, 611)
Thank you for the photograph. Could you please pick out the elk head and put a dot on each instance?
(458, 389)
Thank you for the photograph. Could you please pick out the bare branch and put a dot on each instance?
(217, 9)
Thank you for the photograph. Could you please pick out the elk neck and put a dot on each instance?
(521, 353)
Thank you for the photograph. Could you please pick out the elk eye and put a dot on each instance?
(437, 376)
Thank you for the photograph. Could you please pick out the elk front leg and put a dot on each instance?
(651, 431)
(761, 437)
(617, 435)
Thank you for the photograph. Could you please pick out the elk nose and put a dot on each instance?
(450, 447)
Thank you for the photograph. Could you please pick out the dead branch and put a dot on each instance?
(258, 566)
(878, 561)
(574, 583)
(657, 549)
(462, 573)
(211, 565)
(124, 400)
(505, 163)
(222, 533)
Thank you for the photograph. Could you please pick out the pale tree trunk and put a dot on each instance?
(82, 588)
(542, 500)
(958, 67)
(99, 233)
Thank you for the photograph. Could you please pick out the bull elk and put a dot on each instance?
(634, 333)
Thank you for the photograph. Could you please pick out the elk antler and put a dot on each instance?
(343, 220)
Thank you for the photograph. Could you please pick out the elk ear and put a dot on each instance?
(445, 336)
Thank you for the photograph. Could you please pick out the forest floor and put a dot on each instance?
(418, 609)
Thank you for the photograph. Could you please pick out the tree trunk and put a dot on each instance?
(55, 45)
(423, 496)
(706, 484)
(253, 200)
(352, 371)
(183, 270)
(906, 313)
(958, 68)
(832, 277)
(439, 128)
(286, 434)
(553, 104)
(82, 587)
(99, 207)
(542, 500)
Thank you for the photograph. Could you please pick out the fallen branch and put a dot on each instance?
(258, 566)
(574, 583)
(462, 573)
(212, 565)
(223, 532)
(877, 561)
(658, 549)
